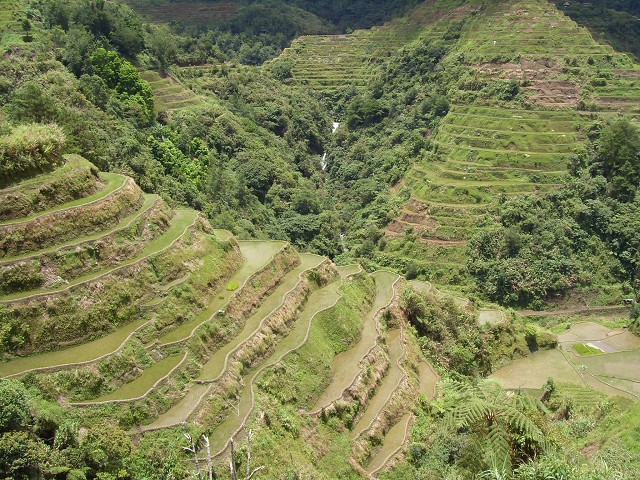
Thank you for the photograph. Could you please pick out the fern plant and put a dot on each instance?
(504, 428)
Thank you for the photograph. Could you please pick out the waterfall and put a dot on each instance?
(323, 162)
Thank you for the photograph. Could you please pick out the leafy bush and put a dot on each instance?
(30, 149)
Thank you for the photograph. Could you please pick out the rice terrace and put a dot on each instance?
(294, 239)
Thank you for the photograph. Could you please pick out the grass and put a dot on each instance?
(304, 374)
(341, 376)
(71, 162)
(62, 224)
(328, 63)
(11, 32)
(192, 13)
(586, 350)
(126, 222)
(388, 386)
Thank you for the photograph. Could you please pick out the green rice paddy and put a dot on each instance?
(586, 349)
(389, 385)
(256, 255)
(86, 352)
(144, 383)
(342, 377)
(217, 364)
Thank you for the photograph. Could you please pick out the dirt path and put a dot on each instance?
(573, 311)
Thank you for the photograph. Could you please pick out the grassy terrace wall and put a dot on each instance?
(493, 145)
(261, 345)
(95, 307)
(184, 12)
(77, 179)
(199, 348)
(305, 373)
(371, 369)
(169, 93)
(57, 266)
(87, 217)
(130, 361)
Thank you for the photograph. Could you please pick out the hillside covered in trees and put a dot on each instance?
(319, 239)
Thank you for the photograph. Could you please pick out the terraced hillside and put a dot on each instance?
(490, 146)
(326, 63)
(125, 309)
(169, 94)
(187, 12)
(11, 16)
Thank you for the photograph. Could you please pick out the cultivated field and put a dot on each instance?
(153, 311)
(589, 354)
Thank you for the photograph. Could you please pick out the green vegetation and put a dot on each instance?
(30, 149)
(580, 232)
(304, 374)
(586, 350)
(486, 150)
(64, 185)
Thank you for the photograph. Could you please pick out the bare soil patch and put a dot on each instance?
(444, 243)
(543, 70)
(555, 92)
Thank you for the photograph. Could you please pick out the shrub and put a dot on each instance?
(30, 149)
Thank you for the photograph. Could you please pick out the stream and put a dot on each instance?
(323, 162)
